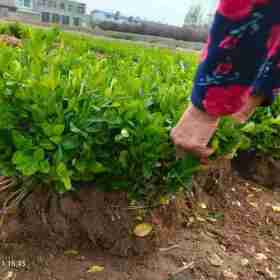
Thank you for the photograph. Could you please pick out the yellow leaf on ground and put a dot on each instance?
(71, 253)
(95, 269)
(276, 209)
(143, 230)
(164, 200)
(139, 218)
(203, 205)
(254, 204)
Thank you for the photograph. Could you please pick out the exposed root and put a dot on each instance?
(7, 183)
(12, 201)
(91, 218)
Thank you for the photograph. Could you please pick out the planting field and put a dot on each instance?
(84, 135)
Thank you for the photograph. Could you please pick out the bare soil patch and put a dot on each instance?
(226, 228)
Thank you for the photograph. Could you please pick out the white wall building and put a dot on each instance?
(7, 6)
(64, 12)
(25, 9)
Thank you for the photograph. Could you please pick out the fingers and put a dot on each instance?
(193, 133)
(202, 152)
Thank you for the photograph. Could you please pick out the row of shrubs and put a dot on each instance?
(192, 34)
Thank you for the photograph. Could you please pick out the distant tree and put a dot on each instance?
(117, 15)
(194, 16)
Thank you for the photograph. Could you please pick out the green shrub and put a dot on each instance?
(15, 29)
(69, 115)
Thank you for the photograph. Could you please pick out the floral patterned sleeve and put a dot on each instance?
(242, 57)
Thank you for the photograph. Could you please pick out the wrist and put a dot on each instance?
(202, 115)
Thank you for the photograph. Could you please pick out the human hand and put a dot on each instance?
(193, 133)
(248, 109)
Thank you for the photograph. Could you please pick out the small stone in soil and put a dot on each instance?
(261, 257)
(270, 274)
(9, 275)
(81, 258)
(215, 260)
(228, 274)
(244, 262)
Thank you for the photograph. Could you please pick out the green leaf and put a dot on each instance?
(75, 129)
(29, 169)
(53, 130)
(25, 163)
(97, 168)
(64, 175)
(249, 128)
(19, 157)
(47, 128)
(45, 167)
(81, 165)
(47, 145)
(56, 139)
(21, 142)
(123, 158)
(70, 142)
(39, 155)
(58, 129)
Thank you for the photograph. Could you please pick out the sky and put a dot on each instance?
(166, 11)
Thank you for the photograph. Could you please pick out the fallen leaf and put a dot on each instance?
(276, 209)
(215, 260)
(203, 205)
(95, 269)
(164, 200)
(71, 253)
(244, 262)
(255, 205)
(139, 218)
(143, 230)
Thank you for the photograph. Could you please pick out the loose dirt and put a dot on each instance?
(226, 228)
